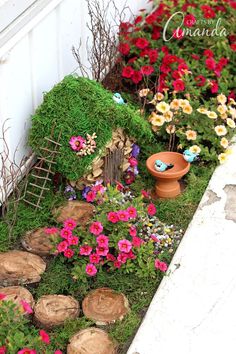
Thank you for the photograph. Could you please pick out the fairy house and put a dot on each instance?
(96, 133)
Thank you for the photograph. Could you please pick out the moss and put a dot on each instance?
(77, 106)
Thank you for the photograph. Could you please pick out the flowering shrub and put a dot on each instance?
(178, 47)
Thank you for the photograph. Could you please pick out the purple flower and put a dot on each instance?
(135, 150)
(70, 193)
(136, 171)
(85, 191)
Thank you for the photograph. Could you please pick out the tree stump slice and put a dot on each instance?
(53, 310)
(105, 306)
(91, 341)
(38, 242)
(81, 212)
(16, 294)
(18, 267)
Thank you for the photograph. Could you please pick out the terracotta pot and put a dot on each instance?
(167, 185)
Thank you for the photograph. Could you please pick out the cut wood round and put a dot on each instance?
(18, 267)
(91, 341)
(18, 294)
(81, 212)
(53, 310)
(38, 242)
(105, 306)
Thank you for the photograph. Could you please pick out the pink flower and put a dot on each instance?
(137, 241)
(124, 245)
(145, 194)
(44, 336)
(102, 251)
(94, 258)
(122, 257)
(91, 196)
(69, 224)
(62, 246)
(112, 217)
(189, 20)
(2, 296)
(25, 351)
(214, 86)
(117, 264)
(73, 240)
(3, 350)
(69, 253)
(51, 230)
(77, 143)
(58, 352)
(132, 212)
(157, 263)
(160, 265)
(110, 257)
(65, 233)
(130, 255)
(123, 215)
(26, 307)
(96, 228)
(133, 162)
(90, 269)
(154, 238)
(102, 240)
(133, 231)
(85, 250)
(151, 209)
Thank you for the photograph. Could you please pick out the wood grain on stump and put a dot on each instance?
(81, 212)
(53, 310)
(38, 242)
(18, 267)
(17, 294)
(105, 306)
(91, 341)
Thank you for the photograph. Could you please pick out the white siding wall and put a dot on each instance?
(38, 56)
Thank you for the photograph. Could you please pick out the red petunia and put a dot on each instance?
(182, 68)
(151, 18)
(153, 55)
(127, 72)
(178, 85)
(210, 64)
(124, 48)
(200, 80)
(208, 12)
(176, 74)
(233, 46)
(141, 43)
(233, 4)
(178, 33)
(138, 19)
(156, 33)
(208, 53)
(195, 57)
(189, 20)
(147, 70)
(232, 38)
(214, 86)
(136, 77)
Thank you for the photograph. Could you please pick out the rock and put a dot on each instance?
(18, 267)
(53, 310)
(91, 341)
(81, 212)
(17, 294)
(38, 242)
(105, 306)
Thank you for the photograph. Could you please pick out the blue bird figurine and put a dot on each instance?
(190, 156)
(118, 98)
(161, 166)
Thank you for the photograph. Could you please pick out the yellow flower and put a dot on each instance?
(232, 112)
(222, 157)
(144, 92)
(170, 129)
(223, 116)
(174, 104)
(212, 115)
(222, 109)
(157, 120)
(202, 110)
(221, 98)
(230, 123)
(187, 109)
(224, 142)
(220, 130)
(183, 103)
(191, 135)
(195, 149)
(158, 96)
(163, 107)
(168, 116)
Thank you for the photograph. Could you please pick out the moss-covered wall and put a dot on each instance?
(77, 106)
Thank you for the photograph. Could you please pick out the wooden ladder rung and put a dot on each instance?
(40, 187)
(36, 195)
(35, 205)
(40, 177)
(49, 161)
(52, 151)
(42, 169)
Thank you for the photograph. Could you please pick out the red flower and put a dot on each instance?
(151, 18)
(165, 49)
(132, 60)
(182, 68)
(3, 350)
(170, 59)
(141, 43)
(200, 80)
(175, 74)
(189, 20)
(178, 33)
(223, 62)
(151, 209)
(214, 86)
(208, 53)
(233, 47)
(232, 38)
(136, 77)
(178, 85)
(147, 70)
(210, 64)
(208, 12)
(232, 4)
(124, 48)
(117, 264)
(69, 253)
(138, 20)
(156, 34)
(196, 57)
(153, 55)
(44, 336)
(127, 72)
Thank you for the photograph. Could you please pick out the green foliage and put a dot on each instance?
(77, 106)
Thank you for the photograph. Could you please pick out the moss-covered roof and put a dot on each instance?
(77, 106)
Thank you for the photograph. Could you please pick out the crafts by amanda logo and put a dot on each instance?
(189, 26)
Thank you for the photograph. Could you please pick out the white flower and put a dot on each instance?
(163, 107)
(230, 123)
(211, 115)
(220, 130)
(195, 149)
(221, 98)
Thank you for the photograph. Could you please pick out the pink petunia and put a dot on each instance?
(58, 352)
(96, 228)
(73, 240)
(77, 143)
(90, 269)
(122, 257)
(102, 251)
(154, 238)
(69, 253)
(2, 296)
(110, 257)
(132, 211)
(102, 240)
(130, 255)
(157, 263)
(151, 209)
(65, 233)
(91, 196)
(26, 307)
(62, 246)
(69, 224)
(163, 266)
(133, 231)
(85, 250)
(145, 194)
(51, 230)
(117, 264)
(3, 350)
(133, 161)
(124, 245)
(137, 241)
(123, 215)
(94, 258)
(44, 336)
(112, 217)
(25, 351)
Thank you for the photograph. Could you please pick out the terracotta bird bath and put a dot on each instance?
(167, 185)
